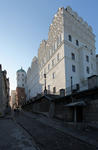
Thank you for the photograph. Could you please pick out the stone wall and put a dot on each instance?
(41, 106)
(90, 112)
(20, 96)
(63, 113)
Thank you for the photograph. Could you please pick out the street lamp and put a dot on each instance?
(45, 90)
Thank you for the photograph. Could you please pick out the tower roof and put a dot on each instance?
(21, 70)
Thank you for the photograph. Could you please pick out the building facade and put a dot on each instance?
(66, 59)
(33, 86)
(21, 78)
(68, 56)
(13, 99)
(4, 91)
(21, 87)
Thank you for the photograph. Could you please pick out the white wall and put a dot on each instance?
(21, 79)
(58, 69)
(33, 86)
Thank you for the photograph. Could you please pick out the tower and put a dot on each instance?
(21, 78)
(21, 86)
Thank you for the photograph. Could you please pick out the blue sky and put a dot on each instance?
(25, 23)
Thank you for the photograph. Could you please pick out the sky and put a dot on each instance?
(25, 23)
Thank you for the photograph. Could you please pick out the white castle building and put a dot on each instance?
(67, 57)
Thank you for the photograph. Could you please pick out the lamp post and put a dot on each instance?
(45, 90)
(71, 84)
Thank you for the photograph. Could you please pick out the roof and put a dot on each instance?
(81, 103)
(21, 70)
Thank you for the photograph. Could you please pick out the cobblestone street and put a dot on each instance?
(13, 137)
(48, 138)
(27, 131)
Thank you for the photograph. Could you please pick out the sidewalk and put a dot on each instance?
(54, 123)
(13, 137)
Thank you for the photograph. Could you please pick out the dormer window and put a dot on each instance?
(70, 38)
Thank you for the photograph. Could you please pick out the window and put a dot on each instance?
(22, 74)
(91, 52)
(87, 58)
(87, 70)
(58, 57)
(73, 68)
(73, 56)
(70, 38)
(22, 79)
(54, 89)
(53, 75)
(22, 85)
(48, 66)
(77, 42)
(52, 62)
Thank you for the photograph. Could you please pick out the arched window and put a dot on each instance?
(70, 38)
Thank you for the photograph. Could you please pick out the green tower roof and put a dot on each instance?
(21, 70)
